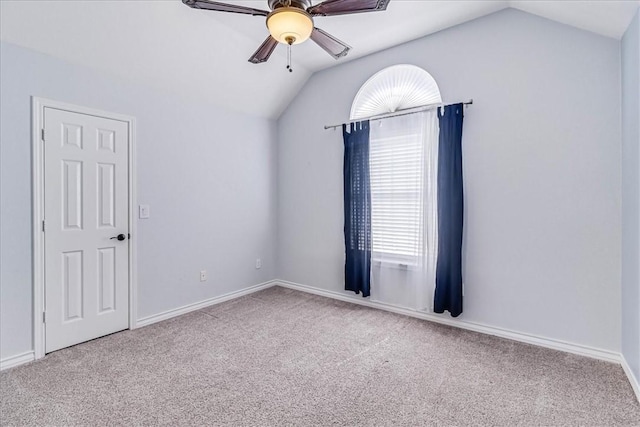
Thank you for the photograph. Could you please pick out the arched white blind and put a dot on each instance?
(395, 88)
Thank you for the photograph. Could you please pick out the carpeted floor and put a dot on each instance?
(281, 357)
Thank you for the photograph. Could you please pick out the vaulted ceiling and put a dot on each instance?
(203, 55)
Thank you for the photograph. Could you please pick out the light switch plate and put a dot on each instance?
(144, 211)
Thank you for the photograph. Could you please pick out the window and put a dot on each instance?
(396, 167)
(398, 160)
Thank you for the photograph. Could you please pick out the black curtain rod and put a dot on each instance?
(399, 113)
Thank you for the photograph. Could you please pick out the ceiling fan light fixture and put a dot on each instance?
(290, 25)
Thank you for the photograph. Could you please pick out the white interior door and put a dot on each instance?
(85, 208)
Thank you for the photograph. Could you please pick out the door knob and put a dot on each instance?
(120, 237)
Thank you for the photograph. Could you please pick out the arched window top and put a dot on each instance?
(395, 88)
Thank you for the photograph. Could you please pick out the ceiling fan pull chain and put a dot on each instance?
(289, 58)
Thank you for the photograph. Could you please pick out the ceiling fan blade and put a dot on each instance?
(224, 7)
(332, 45)
(264, 51)
(343, 7)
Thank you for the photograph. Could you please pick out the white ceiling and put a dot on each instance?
(203, 55)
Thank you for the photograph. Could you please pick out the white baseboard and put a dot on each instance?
(17, 360)
(145, 321)
(554, 344)
(635, 384)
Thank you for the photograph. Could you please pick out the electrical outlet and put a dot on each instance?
(258, 263)
(203, 275)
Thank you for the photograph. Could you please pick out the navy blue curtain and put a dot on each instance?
(357, 208)
(448, 295)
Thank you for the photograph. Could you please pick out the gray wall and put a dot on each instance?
(631, 196)
(541, 163)
(208, 175)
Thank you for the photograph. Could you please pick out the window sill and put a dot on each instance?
(395, 264)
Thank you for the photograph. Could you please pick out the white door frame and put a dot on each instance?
(37, 181)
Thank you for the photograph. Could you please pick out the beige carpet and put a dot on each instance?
(280, 357)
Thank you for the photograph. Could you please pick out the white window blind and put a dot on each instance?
(397, 177)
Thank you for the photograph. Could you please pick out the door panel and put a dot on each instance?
(72, 282)
(86, 205)
(72, 195)
(106, 279)
(106, 195)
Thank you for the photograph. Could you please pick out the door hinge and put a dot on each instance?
(44, 317)
(43, 225)
(42, 134)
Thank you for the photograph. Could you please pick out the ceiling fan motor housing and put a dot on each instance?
(301, 4)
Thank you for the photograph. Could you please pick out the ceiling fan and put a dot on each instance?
(291, 22)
